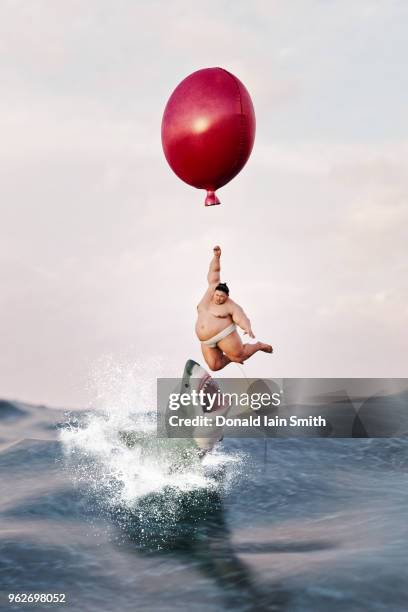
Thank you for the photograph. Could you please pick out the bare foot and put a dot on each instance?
(266, 348)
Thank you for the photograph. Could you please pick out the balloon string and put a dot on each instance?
(241, 370)
(265, 456)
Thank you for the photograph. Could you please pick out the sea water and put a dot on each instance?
(122, 523)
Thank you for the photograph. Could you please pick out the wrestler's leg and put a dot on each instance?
(236, 351)
(214, 357)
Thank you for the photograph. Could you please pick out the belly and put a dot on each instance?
(208, 326)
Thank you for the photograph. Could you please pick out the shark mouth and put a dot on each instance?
(200, 380)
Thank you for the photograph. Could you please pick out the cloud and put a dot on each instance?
(104, 250)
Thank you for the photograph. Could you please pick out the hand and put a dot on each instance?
(250, 333)
(217, 251)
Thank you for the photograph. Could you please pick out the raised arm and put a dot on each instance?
(213, 276)
(239, 317)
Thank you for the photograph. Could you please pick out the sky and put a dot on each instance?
(104, 251)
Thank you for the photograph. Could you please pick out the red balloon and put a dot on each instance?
(208, 129)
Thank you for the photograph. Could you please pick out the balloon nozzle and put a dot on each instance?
(211, 199)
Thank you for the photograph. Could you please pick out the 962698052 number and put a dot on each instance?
(23, 598)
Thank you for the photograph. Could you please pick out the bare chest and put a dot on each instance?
(219, 313)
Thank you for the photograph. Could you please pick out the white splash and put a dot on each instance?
(114, 450)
